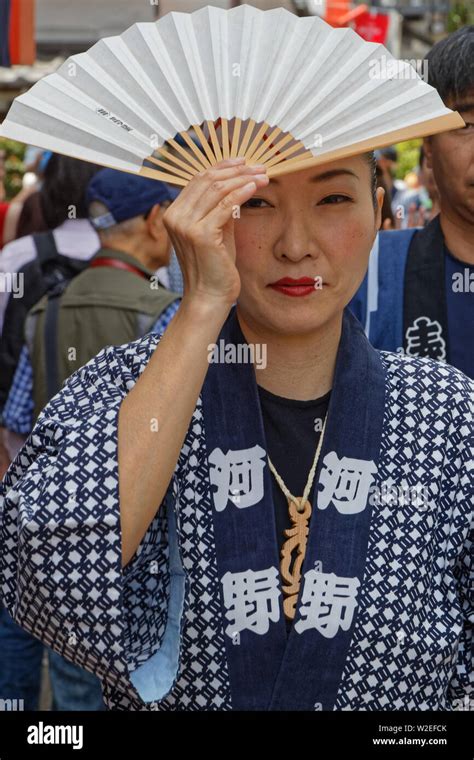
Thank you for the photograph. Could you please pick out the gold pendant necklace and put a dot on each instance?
(294, 549)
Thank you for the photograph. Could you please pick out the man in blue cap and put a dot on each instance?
(117, 298)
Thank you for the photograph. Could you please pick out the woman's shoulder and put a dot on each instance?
(123, 362)
(136, 353)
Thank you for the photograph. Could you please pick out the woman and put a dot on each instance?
(143, 522)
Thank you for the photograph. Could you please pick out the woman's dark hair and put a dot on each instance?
(451, 64)
(372, 161)
(64, 185)
(422, 156)
(31, 217)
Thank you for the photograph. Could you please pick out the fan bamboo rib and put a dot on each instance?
(280, 164)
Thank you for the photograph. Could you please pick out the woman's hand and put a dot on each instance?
(200, 223)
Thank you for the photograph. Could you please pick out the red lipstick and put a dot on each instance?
(302, 286)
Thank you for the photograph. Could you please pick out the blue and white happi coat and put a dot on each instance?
(384, 617)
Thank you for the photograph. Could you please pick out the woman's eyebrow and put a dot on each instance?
(329, 174)
(332, 173)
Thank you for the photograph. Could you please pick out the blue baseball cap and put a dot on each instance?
(125, 195)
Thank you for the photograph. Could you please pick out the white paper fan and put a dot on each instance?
(285, 91)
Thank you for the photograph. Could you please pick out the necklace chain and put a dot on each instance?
(300, 502)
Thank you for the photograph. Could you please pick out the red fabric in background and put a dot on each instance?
(22, 32)
(3, 213)
(372, 27)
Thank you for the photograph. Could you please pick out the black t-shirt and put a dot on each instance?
(292, 430)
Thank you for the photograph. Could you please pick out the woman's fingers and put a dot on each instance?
(223, 199)
(200, 225)
(207, 189)
(236, 196)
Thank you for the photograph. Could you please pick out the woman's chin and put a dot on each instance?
(298, 318)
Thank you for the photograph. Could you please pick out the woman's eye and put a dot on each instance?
(335, 199)
(254, 203)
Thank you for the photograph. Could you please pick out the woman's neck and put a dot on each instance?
(297, 367)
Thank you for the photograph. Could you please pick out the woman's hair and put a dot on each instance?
(64, 186)
(31, 217)
(372, 161)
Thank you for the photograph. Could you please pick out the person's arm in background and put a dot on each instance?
(17, 415)
(5, 459)
(13, 214)
(200, 224)
(10, 445)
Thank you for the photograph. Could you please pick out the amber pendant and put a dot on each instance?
(293, 554)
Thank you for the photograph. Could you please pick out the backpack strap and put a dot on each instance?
(47, 251)
(45, 245)
(51, 318)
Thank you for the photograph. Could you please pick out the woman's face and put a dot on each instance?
(320, 224)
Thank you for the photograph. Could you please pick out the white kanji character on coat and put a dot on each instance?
(238, 476)
(327, 603)
(346, 483)
(251, 599)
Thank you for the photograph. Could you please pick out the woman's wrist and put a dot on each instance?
(208, 310)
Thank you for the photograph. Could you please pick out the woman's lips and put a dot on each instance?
(303, 286)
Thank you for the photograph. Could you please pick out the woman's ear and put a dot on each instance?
(428, 151)
(380, 194)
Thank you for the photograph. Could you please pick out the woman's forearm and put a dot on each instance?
(155, 415)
